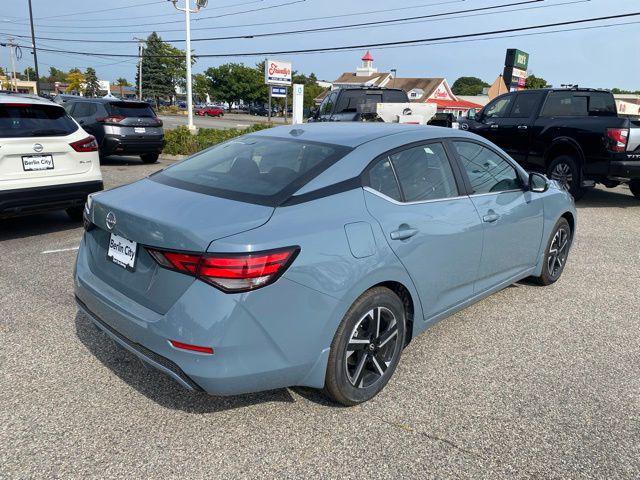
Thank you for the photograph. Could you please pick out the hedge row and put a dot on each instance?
(181, 142)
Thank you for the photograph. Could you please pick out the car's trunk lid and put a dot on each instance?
(156, 215)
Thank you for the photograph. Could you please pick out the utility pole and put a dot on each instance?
(140, 51)
(35, 50)
(12, 56)
(187, 17)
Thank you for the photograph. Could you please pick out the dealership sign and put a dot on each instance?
(277, 72)
(278, 92)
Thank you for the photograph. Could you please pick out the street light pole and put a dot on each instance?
(187, 16)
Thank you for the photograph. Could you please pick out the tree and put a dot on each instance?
(30, 73)
(163, 68)
(311, 88)
(122, 82)
(201, 86)
(535, 82)
(468, 86)
(56, 75)
(91, 85)
(235, 82)
(75, 79)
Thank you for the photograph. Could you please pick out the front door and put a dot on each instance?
(512, 217)
(435, 232)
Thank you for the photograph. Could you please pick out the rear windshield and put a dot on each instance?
(570, 104)
(131, 109)
(260, 170)
(26, 120)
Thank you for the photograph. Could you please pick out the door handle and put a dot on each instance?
(523, 127)
(493, 125)
(491, 217)
(403, 233)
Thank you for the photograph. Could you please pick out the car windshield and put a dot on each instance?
(32, 120)
(254, 169)
(131, 109)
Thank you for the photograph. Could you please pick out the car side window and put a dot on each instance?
(84, 109)
(425, 173)
(327, 105)
(487, 171)
(524, 105)
(383, 180)
(499, 108)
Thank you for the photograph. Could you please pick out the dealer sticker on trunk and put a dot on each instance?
(37, 162)
(122, 251)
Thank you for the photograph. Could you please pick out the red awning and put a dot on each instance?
(454, 104)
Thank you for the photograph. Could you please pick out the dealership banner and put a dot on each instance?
(277, 72)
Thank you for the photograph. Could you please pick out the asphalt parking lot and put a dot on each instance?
(530, 383)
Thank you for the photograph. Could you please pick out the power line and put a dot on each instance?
(379, 23)
(105, 10)
(119, 19)
(279, 22)
(367, 45)
(93, 27)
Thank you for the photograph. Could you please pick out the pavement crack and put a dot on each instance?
(435, 438)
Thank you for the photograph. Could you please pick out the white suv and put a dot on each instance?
(47, 161)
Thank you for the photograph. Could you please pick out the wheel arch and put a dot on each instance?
(407, 300)
(563, 146)
(571, 219)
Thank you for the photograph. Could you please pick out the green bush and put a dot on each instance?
(181, 142)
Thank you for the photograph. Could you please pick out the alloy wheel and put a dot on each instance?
(371, 347)
(558, 252)
(563, 175)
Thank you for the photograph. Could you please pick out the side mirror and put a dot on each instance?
(471, 114)
(538, 183)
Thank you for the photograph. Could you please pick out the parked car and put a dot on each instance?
(312, 256)
(47, 161)
(372, 104)
(261, 111)
(210, 111)
(121, 127)
(573, 135)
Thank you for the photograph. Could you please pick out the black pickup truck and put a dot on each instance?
(573, 135)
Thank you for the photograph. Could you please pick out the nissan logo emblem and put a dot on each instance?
(37, 147)
(111, 220)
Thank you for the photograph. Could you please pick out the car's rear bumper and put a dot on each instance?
(271, 338)
(24, 201)
(625, 169)
(117, 145)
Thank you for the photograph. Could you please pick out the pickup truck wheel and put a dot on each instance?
(556, 253)
(634, 186)
(564, 169)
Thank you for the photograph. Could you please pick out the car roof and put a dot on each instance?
(25, 99)
(353, 134)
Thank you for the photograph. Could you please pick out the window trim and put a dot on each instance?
(467, 180)
(461, 187)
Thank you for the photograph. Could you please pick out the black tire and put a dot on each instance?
(553, 264)
(363, 357)
(565, 170)
(150, 157)
(75, 213)
(634, 186)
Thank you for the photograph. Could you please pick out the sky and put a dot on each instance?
(594, 57)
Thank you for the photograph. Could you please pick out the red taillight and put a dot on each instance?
(230, 272)
(617, 139)
(192, 348)
(111, 119)
(88, 144)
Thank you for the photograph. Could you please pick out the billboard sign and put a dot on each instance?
(277, 72)
(517, 58)
(278, 92)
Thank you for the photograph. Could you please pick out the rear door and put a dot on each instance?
(514, 132)
(435, 232)
(512, 217)
(34, 143)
